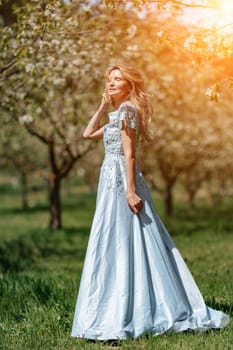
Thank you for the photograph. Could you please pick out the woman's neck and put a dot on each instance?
(116, 104)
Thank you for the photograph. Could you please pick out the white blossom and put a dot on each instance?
(160, 34)
(60, 63)
(132, 31)
(47, 12)
(161, 95)
(51, 94)
(31, 50)
(190, 41)
(81, 172)
(83, 53)
(168, 77)
(29, 68)
(55, 42)
(38, 110)
(58, 81)
(77, 61)
(20, 95)
(209, 91)
(25, 119)
(14, 44)
(132, 47)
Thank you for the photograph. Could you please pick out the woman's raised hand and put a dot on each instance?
(135, 203)
(106, 100)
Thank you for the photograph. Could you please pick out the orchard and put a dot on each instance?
(53, 55)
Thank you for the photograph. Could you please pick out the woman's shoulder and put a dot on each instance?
(127, 106)
(128, 113)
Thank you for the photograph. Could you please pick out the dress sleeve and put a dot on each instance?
(128, 113)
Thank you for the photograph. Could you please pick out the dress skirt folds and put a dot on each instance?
(134, 280)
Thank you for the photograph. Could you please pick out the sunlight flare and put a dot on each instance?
(227, 5)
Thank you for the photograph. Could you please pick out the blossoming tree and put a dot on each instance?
(53, 59)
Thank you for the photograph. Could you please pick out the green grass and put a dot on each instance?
(40, 272)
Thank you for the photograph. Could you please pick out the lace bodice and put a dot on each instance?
(112, 131)
(113, 168)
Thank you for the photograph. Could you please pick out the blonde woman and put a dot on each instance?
(134, 280)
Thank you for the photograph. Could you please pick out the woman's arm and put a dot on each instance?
(128, 142)
(93, 129)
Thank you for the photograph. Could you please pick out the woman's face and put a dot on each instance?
(117, 86)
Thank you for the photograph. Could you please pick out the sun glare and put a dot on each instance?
(227, 5)
(219, 13)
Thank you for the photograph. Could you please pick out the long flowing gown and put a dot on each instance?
(134, 280)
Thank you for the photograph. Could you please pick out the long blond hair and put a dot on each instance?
(138, 96)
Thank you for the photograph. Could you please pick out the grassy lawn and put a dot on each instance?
(40, 272)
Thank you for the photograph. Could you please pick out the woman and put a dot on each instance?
(134, 279)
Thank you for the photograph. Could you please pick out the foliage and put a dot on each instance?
(19, 150)
(52, 77)
(22, 155)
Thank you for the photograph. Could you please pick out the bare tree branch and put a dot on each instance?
(176, 2)
(20, 84)
(151, 179)
(7, 66)
(64, 172)
(36, 134)
(62, 136)
(185, 4)
(225, 26)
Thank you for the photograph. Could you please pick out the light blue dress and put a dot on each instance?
(134, 280)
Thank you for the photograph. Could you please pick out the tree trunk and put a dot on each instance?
(222, 191)
(55, 202)
(191, 196)
(210, 196)
(168, 198)
(24, 190)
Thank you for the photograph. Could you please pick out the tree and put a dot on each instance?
(186, 123)
(7, 14)
(21, 153)
(51, 62)
(49, 59)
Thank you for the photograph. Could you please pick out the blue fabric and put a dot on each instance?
(134, 279)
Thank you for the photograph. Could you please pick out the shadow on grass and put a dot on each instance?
(16, 255)
(109, 343)
(82, 231)
(202, 212)
(188, 222)
(22, 253)
(31, 210)
(82, 202)
(226, 307)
